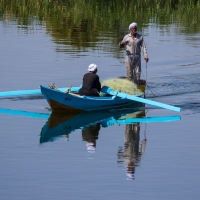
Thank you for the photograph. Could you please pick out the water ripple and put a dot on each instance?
(173, 85)
(183, 91)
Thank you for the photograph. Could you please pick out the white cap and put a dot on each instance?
(92, 67)
(90, 146)
(133, 24)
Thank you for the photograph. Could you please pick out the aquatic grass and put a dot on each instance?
(122, 85)
(65, 17)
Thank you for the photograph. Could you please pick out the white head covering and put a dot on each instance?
(133, 24)
(92, 67)
(90, 146)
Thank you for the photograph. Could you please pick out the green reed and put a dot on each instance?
(84, 21)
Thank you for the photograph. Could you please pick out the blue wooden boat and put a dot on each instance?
(71, 101)
(68, 99)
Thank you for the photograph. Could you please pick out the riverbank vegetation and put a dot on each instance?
(83, 21)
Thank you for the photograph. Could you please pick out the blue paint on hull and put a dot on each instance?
(84, 103)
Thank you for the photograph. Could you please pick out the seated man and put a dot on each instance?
(91, 85)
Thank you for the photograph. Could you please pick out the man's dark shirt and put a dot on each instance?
(91, 133)
(90, 85)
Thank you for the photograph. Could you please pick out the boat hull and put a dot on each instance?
(71, 102)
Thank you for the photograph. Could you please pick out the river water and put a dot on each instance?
(163, 156)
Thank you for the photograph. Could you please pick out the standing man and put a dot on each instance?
(91, 85)
(134, 42)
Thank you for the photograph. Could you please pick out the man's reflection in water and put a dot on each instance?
(90, 135)
(131, 153)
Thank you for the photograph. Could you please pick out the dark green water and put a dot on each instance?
(44, 42)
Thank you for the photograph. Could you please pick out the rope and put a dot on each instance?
(146, 77)
(52, 86)
(145, 126)
(148, 88)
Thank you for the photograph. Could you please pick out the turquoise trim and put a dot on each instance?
(108, 90)
(34, 92)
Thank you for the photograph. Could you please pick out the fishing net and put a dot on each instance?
(122, 85)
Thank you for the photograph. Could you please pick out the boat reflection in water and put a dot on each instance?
(59, 125)
(62, 124)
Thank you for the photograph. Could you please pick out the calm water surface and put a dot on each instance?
(164, 157)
